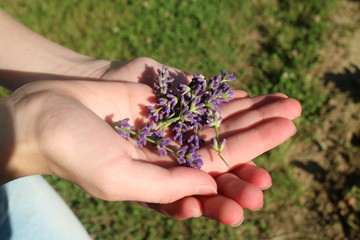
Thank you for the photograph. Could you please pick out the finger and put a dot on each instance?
(245, 194)
(282, 108)
(244, 146)
(240, 105)
(185, 208)
(222, 209)
(239, 94)
(146, 182)
(285, 108)
(254, 175)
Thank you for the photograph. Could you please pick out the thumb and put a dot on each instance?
(147, 182)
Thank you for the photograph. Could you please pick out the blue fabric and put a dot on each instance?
(31, 209)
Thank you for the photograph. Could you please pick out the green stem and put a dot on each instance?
(166, 123)
(154, 142)
(217, 133)
(219, 153)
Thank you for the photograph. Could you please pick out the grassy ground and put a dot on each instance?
(271, 45)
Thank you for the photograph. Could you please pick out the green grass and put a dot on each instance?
(271, 45)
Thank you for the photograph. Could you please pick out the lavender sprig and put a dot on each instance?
(184, 111)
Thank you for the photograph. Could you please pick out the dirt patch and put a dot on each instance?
(328, 164)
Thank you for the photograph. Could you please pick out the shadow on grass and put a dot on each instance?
(334, 183)
(347, 81)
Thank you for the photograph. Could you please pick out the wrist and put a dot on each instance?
(19, 154)
(82, 67)
(6, 142)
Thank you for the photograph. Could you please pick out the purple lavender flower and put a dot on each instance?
(179, 130)
(162, 151)
(227, 76)
(153, 113)
(189, 117)
(162, 101)
(226, 93)
(200, 87)
(186, 111)
(216, 145)
(199, 124)
(179, 137)
(199, 77)
(164, 142)
(198, 84)
(163, 82)
(172, 100)
(215, 103)
(143, 134)
(123, 126)
(183, 89)
(165, 111)
(214, 120)
(181, 153)
(194, 141)
(124, 123)
(197, 162)
(197, 107)
(189, 157)
(222, 144)
(194, 159)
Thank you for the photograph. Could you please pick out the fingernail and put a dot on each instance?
(206, 190)
(237, 224)
(267, 187)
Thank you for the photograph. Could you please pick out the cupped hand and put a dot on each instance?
(255, 115)
(65, 128)
(249, 118)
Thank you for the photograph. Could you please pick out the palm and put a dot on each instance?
(253, 125)
(245, 124)
(112, 101)
(95, 157)
(90, 147)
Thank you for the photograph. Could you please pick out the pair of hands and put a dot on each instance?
(65, 128)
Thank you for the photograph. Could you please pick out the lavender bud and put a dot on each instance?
(122, 127)
(214, 144)
(164, 142)
(189, 117)
(183, 89)
(162, 101)
(180, 154)
(194, 141)
(194, 159)
(143, 134)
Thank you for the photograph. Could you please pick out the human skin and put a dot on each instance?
(62, 126)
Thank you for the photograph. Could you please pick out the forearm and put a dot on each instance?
(26, 56)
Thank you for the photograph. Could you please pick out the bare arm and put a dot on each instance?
(27, 56)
